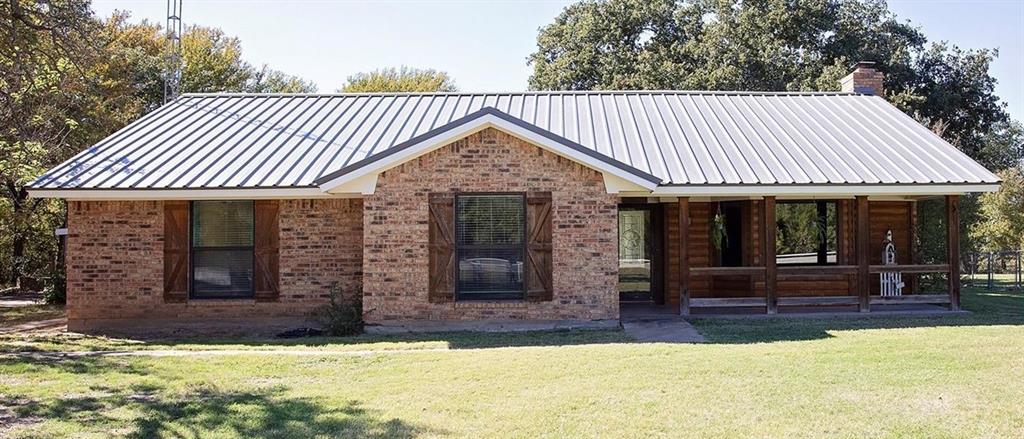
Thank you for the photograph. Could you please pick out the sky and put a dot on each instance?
(483, 45)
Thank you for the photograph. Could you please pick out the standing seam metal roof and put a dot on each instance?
(683, 138)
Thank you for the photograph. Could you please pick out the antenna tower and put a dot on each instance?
(172, 74)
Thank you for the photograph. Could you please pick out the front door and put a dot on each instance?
(639, 254)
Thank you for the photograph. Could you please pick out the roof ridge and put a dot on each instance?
(534, 93)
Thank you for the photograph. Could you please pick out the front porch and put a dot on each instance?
(727, 260)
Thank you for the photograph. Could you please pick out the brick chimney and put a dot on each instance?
(864, 79)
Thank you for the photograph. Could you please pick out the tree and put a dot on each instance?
(212, 62)
(267, 80)
(1002, 212)
(404, 79)
(46, 48)
(772, 45)
(68, 79)
(1002, 146)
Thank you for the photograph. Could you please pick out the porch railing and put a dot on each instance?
(787, 273)
(755, 273)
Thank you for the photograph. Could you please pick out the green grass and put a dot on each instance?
(23, 314)
(957, 376)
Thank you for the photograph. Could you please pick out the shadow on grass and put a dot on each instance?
(51, 362)
(209, 412)
(986, 308)
(43, 345)
(460, 340)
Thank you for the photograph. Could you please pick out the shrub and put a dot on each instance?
(55, 289)
(343, 315)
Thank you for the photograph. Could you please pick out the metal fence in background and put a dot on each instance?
(994, 270)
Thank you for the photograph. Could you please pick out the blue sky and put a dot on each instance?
(484, 45)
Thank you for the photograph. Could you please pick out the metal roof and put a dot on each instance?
(682, 138)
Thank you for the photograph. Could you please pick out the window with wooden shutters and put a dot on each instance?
(222, 249)
(490, 238)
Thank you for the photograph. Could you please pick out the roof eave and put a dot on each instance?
(824, 190)
(254, 193)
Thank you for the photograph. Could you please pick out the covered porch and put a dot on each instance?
(775, 254)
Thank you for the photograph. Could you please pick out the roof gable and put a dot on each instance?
(358, 176)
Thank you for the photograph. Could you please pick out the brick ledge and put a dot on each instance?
(486, 304)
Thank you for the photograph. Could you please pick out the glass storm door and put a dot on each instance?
(636, 255)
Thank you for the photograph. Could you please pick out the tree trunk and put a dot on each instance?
(18, 199)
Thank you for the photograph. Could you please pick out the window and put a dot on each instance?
(806, 233)
(222, 249)
(490, 246)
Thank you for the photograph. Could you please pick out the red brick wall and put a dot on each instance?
(584, 225)
(321, 243)
(114, 259)
(115, 263)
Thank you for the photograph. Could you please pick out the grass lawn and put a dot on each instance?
(958, 376)
(23, 314)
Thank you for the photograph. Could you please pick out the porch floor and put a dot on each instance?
(633, 312)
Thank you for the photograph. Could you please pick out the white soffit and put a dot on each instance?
(182, 194)
(821, 191)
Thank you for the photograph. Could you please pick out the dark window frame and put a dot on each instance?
(512, 295)
(822, 251)
(192, 248)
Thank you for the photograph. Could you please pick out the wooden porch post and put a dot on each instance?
(863, 248)
(915, 251)
(684, 256)
(768, 233)
(953, 249)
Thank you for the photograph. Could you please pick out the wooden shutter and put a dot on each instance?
(266, 251)
(538, 247)
(442, 247)
(175, 251)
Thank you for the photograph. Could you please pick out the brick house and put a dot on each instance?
(546, 206)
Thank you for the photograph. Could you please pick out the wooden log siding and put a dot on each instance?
(699, 255)
(895, 216)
